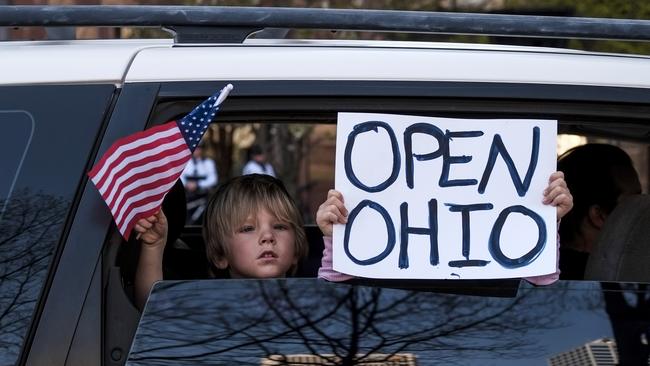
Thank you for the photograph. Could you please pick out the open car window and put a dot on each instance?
(299, 134)
(313, 322)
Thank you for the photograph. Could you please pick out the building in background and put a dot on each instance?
(601, 352)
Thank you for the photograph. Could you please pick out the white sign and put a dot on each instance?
(443, 198)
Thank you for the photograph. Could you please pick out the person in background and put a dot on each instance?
(257, 163)
(599, 176)
(199, 177)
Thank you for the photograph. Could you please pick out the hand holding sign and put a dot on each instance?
(331, 212)
(402, 224)
(557, 194)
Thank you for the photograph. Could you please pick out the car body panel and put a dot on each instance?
(69, 62)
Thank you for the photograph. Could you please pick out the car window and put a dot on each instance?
(299, 135)
(47, 133)
(308, 321)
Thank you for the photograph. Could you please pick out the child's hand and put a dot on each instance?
(152, 231)
(331, 212)
(557, 194)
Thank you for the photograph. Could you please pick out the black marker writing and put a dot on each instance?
(349, 172)
(465, 210)
(495, 237)
(431, 231)
(499, 148)
(389, 227)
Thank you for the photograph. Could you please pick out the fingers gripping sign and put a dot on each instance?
(331, 212)
(557, 195)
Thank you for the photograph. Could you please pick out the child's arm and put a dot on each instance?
(331, 212)
(152, 232)
(556, 194)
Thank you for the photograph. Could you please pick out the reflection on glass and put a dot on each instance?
(309, 321)
(628, 308)
(29, 231)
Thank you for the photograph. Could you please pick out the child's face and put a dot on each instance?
(261, 247)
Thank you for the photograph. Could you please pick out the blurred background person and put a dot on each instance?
(199, 177)
(257, 162)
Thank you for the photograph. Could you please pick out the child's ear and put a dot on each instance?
(221, 263)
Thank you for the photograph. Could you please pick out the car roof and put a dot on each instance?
(154, 60)
(388, 63)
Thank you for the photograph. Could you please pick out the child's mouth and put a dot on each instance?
(267, 255)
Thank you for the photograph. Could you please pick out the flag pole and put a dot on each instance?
(224, 94)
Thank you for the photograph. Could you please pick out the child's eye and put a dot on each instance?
(245, 229)
(281, 227)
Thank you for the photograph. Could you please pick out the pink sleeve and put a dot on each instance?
(326, 271)
(548, 279)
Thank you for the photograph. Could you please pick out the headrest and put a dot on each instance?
(622, 251)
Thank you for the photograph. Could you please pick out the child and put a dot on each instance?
(252, 228)
(333, 211)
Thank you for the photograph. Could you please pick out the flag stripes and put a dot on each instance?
(104, 169)
(138, 170)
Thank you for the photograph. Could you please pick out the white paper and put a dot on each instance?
(519, 251)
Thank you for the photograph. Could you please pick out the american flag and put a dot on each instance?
(137, 171)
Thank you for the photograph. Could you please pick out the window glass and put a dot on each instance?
(46, 136)
(307, 321)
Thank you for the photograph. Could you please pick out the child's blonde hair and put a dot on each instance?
(240, 197)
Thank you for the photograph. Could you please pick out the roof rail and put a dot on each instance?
(234, 24)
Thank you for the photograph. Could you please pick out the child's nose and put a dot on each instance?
(267, 237)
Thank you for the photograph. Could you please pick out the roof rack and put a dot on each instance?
(217, 24)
